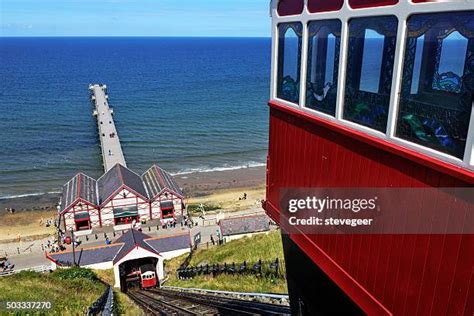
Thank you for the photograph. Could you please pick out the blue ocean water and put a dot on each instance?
(189, 104)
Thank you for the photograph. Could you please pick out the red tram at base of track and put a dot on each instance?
(144, 277)
(373, 94)
(148, 280)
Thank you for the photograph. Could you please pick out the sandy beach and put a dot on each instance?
(194, 185)
(219, 188)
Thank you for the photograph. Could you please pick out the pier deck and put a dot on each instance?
(109, 140)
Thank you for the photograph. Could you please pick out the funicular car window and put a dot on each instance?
(289, 57)
(438, 81)
(323, 65)
(372, 43)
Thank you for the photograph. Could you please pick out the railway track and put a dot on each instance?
(168, 302)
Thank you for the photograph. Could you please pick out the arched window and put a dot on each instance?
(438, 81)
(372, 43)
(289, 56)
(323, 65)
(450, 63)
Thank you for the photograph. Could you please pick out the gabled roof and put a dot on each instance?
(158, 180)
(117, 177)
(87, 256)
(80, 186)
(244, 225)
(170, 243)
(131, 239)
(121, 247)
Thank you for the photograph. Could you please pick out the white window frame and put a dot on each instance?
(403, 10)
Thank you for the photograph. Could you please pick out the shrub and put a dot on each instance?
(196, 207)
(75, 273)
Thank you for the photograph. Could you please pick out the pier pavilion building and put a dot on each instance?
(122, 197)
(166, 197)
(119, 198)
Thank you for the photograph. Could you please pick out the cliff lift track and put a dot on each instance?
(168, 302)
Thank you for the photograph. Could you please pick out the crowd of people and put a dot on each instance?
(5, 265)
(10, 210)
(49, 222)
(185, 222)
(54, 246)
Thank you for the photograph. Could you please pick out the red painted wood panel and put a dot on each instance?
(370, 3)
(407, 274)
(324, 5)
(290, 7)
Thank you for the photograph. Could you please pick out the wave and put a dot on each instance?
(214, 169)
(8, 197)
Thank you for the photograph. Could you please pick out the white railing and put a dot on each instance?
(41, 269)
(282, 298)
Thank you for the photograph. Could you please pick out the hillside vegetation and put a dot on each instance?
(70, 291)
(124, 305)
(266, 247)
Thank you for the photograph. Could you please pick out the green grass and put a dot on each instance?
(195, 208)
(70, 291)
(246, 283)
(123, 304)
(263, 246)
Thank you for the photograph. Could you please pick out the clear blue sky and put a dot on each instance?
(135, 18)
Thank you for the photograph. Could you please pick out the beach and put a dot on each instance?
(218, 188)
(194, 185)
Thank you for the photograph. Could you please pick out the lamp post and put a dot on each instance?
(73, 248)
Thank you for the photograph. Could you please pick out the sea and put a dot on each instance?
(187, 104)
(191, 105)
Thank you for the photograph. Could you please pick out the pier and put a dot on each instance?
(109, 140)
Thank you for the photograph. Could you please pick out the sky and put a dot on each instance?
(245, 18)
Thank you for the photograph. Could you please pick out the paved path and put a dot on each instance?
(109, 140)
(32, 253)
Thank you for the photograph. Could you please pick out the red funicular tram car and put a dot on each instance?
(148, 278)
(143, 276)
(373, 93)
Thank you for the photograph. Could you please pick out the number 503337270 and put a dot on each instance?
(24, 305)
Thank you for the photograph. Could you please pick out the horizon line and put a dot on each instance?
(130, 36)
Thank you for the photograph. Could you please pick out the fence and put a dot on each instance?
(41, 269)
(261, 268)
(282, 299)
(103, 305)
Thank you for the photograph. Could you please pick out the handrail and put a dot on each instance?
(104, 305)
(281, 297)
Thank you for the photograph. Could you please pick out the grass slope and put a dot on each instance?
(70, 293)
(124, 304)
(263, 246)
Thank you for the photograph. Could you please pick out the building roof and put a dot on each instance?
(80, 186)
(87, 256)
(244, 225)
(117, 177)
(170, 243)
(121, 247)
(131, 239)
(157, 180)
